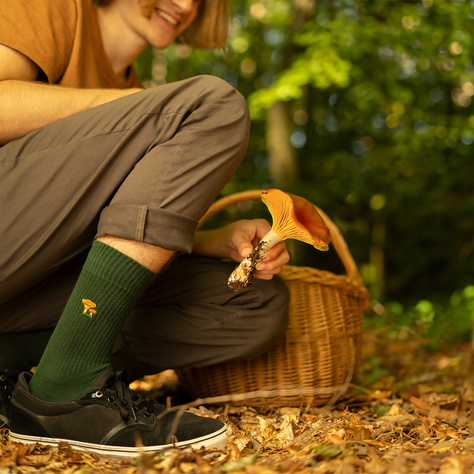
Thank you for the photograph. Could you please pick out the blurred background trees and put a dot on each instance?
(366, 109)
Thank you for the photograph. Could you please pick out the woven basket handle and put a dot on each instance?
(337, 239)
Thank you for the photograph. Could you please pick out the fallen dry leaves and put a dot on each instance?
(417, 417)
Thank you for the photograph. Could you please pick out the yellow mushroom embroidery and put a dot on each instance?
(88, 308)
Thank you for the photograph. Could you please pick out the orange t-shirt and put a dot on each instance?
(63, 38)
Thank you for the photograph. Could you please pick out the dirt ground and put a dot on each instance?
(409, 410)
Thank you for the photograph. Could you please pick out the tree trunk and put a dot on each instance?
(377, 254)
(283, 160)
(282, 155)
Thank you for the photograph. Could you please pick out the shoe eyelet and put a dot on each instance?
(97, 394)
(3, 378)
(111, 399)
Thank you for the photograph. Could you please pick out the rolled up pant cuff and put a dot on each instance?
(151, 225)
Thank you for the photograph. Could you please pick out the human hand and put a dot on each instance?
(237, 240)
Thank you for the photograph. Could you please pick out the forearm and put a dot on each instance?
(209, 243)
(27, 106)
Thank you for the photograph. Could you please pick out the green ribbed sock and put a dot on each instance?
(108, 287)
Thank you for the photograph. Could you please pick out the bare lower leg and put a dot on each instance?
(150, 256)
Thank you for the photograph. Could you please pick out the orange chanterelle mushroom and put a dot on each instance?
(88, 305)
(293, 218)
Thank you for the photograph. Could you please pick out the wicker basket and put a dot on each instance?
(315, 360)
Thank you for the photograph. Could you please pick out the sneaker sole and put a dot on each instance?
(216, 440)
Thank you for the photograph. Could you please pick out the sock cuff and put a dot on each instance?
(108, 263)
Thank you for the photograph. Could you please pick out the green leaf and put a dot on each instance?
(239, 464)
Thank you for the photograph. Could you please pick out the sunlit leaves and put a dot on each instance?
(319, 68)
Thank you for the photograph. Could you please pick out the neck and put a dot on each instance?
(121, 46)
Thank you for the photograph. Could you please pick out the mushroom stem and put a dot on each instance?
(243, 273)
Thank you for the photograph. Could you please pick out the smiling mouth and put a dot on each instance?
(172, 21)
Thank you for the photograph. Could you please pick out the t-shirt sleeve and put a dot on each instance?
(42, 30)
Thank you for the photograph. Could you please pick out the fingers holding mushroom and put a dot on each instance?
(293, 218)
(273, 262)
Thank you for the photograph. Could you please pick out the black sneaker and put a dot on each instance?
(8, 379)
(110, 420)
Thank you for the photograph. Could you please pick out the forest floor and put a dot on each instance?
(409, 410)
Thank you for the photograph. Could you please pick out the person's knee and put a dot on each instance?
(229, 107)
(220, 90)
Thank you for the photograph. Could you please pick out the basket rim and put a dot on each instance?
(322, 277)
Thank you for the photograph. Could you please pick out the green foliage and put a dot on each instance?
(325, 451)
(319, 66)
(239, 464)
(381, 97)
(441, 321)
(377, 371)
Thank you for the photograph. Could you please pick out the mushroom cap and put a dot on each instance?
(89, 303)
(295, 217)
